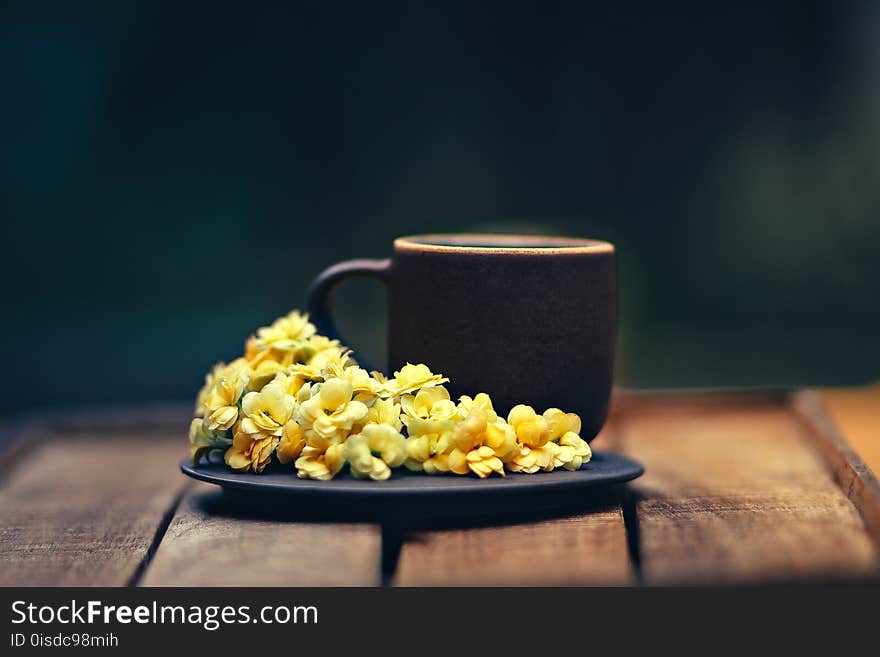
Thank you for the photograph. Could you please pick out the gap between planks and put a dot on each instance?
(736, 492)
(81, 511)
(589, 548)
(109, 507)
(215, 541)
(121, 514)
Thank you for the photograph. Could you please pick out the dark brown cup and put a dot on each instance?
(527, 319)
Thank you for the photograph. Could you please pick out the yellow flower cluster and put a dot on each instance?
(301, 397)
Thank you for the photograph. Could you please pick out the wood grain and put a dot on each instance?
(589, 548)
(84, 511)
(852, 474)
(736, 491)
(208, 545)
(739, 488)
(856, 413)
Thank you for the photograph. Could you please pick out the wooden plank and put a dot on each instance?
(736, 492)
(856, 414)
(589, 548)
(84, 511)
(853, 475)
(210, 544)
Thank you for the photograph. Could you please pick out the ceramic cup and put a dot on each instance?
(528, 319)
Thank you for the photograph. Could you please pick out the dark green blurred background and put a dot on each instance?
(174, 175)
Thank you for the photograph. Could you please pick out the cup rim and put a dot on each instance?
(504, 243)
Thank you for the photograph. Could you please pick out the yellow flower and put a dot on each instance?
(482, 461)
(481, 447)
(252, 348)
(436, 464)
(428, 453)
(293, 440)
(561, 423)
(429, 403)
(307, 372)
(263, 373)
(373, 452)
(292, 382)
(200, 438)
(418, 450)
(531, 429)
(266, 412)
(431, 417)
(573, 452)
(250, 451)
(536, 450)
(221, 401)
(200, 410)
(531, 459)
(204, 441)
(471, 432)
(501, 437)
(285, 333)
(303, 397)
(481, 401)
(288, 340)
(385, 411)
(412, 377)
(364, 387)
(317, 463)
(330, 413)
(437, 432)
(319, 352)
(471, 445)
(497, 434)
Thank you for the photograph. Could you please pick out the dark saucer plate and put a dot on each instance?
(603, 469)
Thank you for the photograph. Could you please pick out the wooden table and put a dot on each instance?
(739, 488)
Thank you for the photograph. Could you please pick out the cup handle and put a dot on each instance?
(321, 289)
